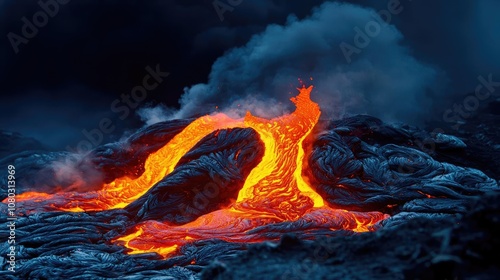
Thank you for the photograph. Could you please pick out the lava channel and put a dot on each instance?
(274, 193)
(274, 198)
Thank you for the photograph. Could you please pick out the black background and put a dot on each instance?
(66, 77)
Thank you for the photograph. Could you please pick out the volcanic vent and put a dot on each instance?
(187, 191)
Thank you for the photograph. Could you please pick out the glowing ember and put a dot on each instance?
(274, 192)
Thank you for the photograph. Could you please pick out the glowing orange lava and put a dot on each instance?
(123, 191)
(274, 192)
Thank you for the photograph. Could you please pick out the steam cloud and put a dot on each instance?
(56, 172)
(74, 174)
(383, 80)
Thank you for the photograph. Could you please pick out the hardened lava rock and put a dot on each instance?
(443, 224)
(362, 164)
(421, 248)
(51, 172)
(127, 158)
(205, 179)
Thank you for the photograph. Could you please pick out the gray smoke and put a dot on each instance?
(381, 79)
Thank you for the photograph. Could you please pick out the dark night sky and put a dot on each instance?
(89, 53)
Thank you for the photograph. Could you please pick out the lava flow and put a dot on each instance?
(274, 193)
(123, 191)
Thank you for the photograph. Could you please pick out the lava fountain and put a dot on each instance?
(274, 193)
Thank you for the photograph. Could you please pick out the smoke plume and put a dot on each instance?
(381, 78)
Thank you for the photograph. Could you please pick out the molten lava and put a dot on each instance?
(274, 192)
(123, 191)
(276, 184)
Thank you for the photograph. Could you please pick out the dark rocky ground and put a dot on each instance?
(422, 248)
(481, 133)
(13, 143)
(463, 246)
(445, 212)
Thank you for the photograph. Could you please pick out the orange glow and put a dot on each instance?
(123, 191)
(425, 194)
(164, 251)
(236, 226)
(274, 191)
(276, 184)
(33, 195)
